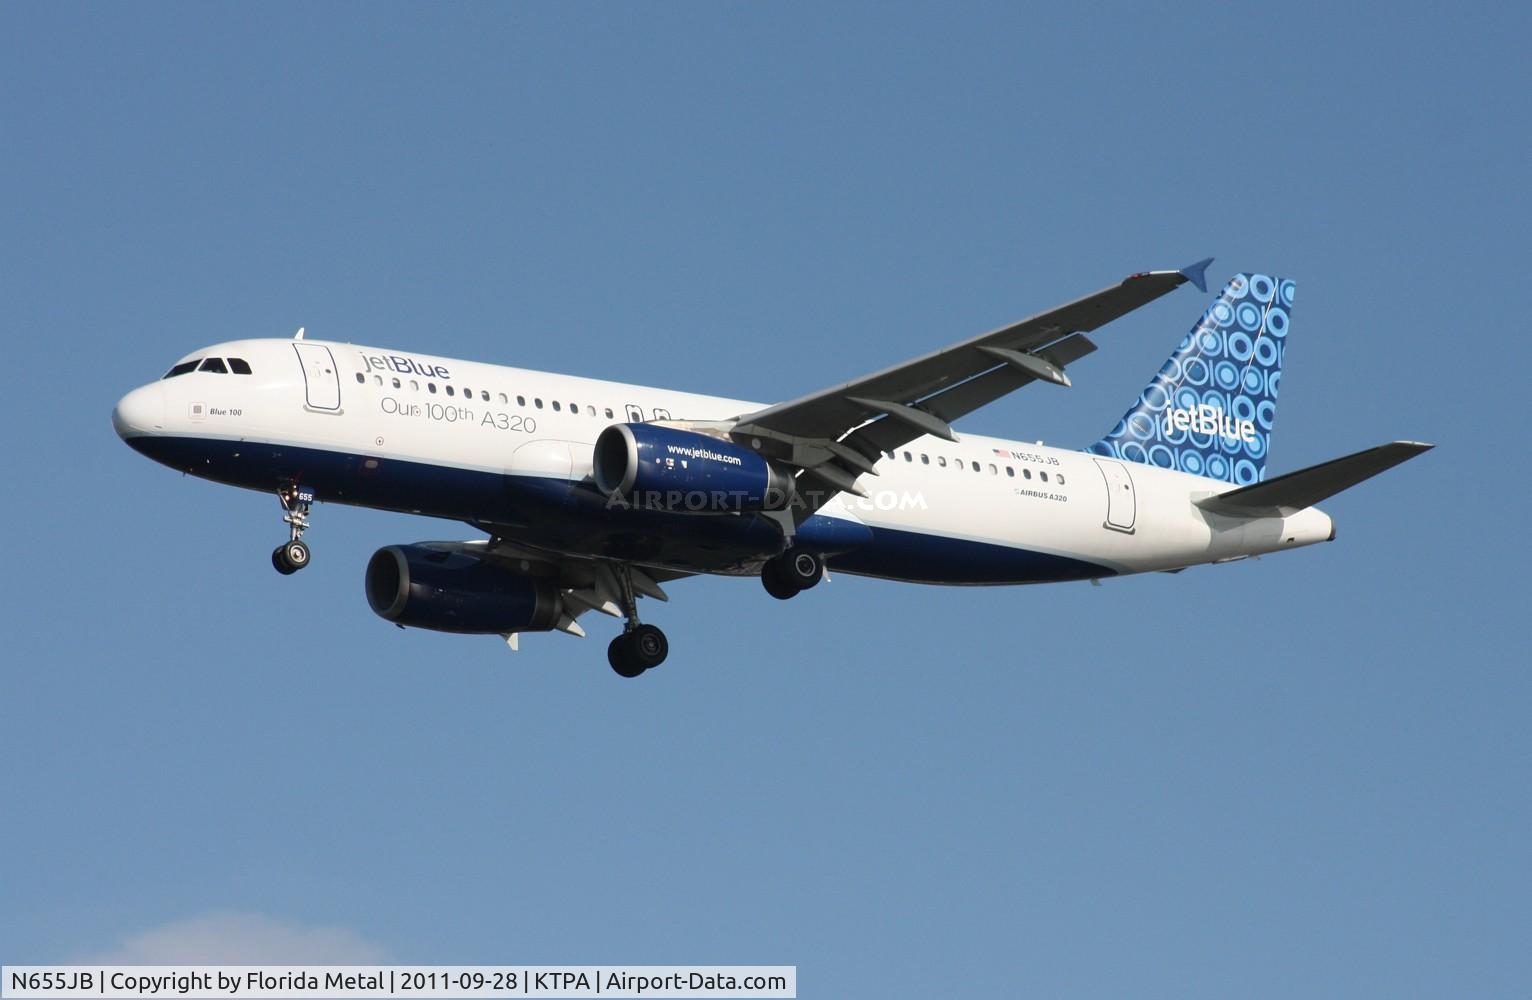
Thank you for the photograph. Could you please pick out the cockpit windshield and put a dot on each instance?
(217, 366)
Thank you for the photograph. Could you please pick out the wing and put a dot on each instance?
(837, 434)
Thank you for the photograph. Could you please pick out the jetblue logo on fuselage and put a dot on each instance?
(402, 365)
(1208, 419)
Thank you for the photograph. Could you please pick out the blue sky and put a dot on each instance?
(1304, 775)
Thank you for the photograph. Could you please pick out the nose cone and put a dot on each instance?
(140, 412)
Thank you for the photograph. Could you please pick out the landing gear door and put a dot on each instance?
(1121, 504)
(321, 381)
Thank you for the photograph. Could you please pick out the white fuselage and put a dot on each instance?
(505, 447)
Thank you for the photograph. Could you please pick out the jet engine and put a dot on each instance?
(436, 588)
(662, 468)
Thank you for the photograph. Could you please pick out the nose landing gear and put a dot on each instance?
(292, 555)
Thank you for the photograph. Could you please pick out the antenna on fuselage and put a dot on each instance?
(299, 334)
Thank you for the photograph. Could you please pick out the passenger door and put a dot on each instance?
(321, 382)
(1121, 504)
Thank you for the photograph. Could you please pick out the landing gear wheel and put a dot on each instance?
(776, 586)
(637, 650)
(649, 645)
(290, 557)
(619, 656)
(802, 568)
(295, 554)
(791, 572)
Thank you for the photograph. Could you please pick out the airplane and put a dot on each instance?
(592, 494)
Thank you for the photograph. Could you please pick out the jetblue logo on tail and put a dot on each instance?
(1210, 409)
(1206, 419)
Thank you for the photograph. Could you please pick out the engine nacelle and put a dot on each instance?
(427, 587)
(662, 468)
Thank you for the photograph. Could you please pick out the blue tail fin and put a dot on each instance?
(1211, 408)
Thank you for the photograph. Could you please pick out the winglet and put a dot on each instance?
(1197, 274)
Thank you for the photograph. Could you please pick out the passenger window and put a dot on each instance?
(431, 387)
(484, 395)
(609, 414)
(450, 391)
(590, 411)
(215, 365)
(1026, 473)
(574, 408)
(398, 384)
(992, 470)
(182, 368)
(240, 366)
(537, 401)
(907, 457)
(556, 406)
(414, 386)
(377, 379)
(976, 467)
(941, 460)
(361, 379)
(503, 400)
(521, 401)
(1043, 476)
(925, 459)
(1060, 478)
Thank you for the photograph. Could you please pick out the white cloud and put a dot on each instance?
(223, 938)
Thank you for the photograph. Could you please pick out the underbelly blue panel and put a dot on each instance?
(562, 515)
(923, 558)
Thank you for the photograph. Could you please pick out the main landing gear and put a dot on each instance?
(292, 555)
(791, 573)
(640, 646)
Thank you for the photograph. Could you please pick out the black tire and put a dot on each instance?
(802, 568)
(617, 654)
(774, 582)
(279, 561)
(296, 555)
(648, 646)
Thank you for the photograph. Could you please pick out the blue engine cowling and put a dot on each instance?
(662, 468)
(427, 587)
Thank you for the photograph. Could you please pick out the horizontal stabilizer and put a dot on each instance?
(1295, 491)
